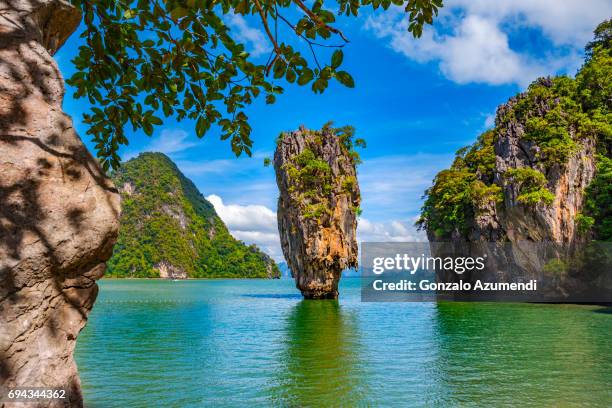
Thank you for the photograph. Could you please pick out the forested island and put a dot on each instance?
(538, 183)
(550, 149)
(318, 205)
(169, 230)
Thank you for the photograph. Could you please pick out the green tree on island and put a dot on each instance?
(581, 108)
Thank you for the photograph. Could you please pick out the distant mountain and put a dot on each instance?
(169, 230)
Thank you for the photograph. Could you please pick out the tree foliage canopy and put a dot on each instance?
(147, 59)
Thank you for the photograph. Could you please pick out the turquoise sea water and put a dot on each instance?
(257, 343)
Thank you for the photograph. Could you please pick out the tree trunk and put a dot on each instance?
(58, 211)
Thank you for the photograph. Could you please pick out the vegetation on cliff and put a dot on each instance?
(310, 176)
(318, 206)
(451, 199)
(556, 115)
(165, 220)
(597, 214)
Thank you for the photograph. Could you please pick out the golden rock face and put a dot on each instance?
(317, 209)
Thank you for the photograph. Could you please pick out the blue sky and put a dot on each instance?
(415, 102)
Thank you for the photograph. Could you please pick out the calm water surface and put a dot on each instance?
(257, 343)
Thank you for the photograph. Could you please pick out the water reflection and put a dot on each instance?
(162, 344)
(515, 354)
(321, 363)
(138, 347)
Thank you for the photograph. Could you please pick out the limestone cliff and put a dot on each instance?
(317, 207)
(541, 175)
(58, 212)
(566, 179)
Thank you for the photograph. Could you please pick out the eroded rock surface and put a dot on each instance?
(567, 181)
(169, 271)
(58, 211)
(523, 233)
(317, 208)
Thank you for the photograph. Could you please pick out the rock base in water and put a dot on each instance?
(323, 294)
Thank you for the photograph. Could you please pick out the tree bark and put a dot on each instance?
(58, 211)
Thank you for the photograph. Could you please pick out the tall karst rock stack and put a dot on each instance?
(318, 206)
(534, 207)
(58, 212)
(538, 185)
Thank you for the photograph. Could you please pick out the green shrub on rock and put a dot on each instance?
(556, 116)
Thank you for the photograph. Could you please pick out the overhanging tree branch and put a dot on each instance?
(144, 60)
(318, 21)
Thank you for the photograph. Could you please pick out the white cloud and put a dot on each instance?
(489, 121)
(564, 22)
(479, 52)
(392, 186)
(197, 168)
(390, 231)
(170, 141)
(243, 32)
(472, 40)
(253, 224)
(244, 217)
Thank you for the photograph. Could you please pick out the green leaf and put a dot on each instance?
(201, 126)
(148, 129)
(305, 77)
(290, 76)
(345, 79)
(337, 58)
(279, 69)
(178, 13)
(131, 13)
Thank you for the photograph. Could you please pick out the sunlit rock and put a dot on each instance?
(317, 207)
